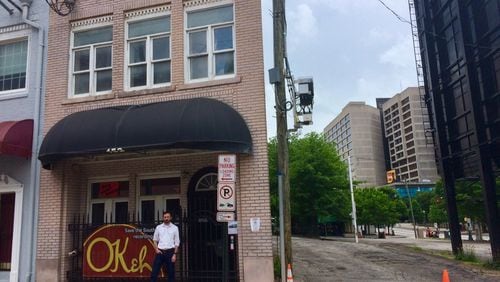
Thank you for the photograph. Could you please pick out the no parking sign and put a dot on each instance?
(226, 195)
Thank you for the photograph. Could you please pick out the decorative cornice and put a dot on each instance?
(194, 3)
(92, 21)
(148, 11)
(12, 28)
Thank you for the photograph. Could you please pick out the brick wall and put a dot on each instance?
(63, 190)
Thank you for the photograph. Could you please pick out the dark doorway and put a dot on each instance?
(7, 203)
(209, 255)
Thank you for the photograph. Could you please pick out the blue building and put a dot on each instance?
(23, 29)
(412, 189)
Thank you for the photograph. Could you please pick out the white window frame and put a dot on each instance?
(160, 200)
(109, 203)
(149, 53)
(92, 70)
(12, 37)
(210, 43)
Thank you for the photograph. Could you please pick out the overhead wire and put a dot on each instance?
(404, 20)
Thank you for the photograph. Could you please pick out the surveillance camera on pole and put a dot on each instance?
(304, 100)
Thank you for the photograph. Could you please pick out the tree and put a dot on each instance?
(374, 207)
(319, 185)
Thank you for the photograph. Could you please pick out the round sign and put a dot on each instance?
(226, 192)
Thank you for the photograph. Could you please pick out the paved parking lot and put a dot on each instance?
(341, 259)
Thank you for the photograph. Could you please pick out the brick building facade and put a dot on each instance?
(122, 54)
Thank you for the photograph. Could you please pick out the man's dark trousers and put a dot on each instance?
(165, 257)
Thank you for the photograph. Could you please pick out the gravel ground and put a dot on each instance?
(374, 260)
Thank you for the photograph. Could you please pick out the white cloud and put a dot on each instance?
(302, 21)
(399, 55)
(343, 6)
(378, 34)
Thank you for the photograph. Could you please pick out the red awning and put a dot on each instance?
(16, 138)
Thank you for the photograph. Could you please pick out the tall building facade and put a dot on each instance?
(410, 154)
(148, 103)
(23, 28)
(357, 134)
(461, 61)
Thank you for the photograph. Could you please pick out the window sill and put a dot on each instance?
(76, 100)
(13, 95)
(132, 93)
(218, 82)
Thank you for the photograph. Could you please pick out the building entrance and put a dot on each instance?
(210, 255)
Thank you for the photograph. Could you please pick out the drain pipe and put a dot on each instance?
(35, 166)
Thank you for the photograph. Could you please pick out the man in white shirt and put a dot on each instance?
(166, 241)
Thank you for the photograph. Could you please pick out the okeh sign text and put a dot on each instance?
(118, 250)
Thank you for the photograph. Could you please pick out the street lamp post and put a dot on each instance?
(411, 209)
(354, 223)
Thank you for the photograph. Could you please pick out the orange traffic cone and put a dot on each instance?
(446, 277)
(289, 276)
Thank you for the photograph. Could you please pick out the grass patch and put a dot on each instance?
(277, 267)
(417, 249)
(492, 265)
(468, 255)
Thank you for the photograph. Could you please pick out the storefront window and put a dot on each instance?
(109, 202)
(158, 195)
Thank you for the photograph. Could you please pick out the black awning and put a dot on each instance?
(200, 123)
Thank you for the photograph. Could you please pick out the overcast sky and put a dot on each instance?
(355, 50)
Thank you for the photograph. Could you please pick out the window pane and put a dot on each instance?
(174, 207)
(103, 57)
(152, 26)
(103, 80)
(161, 48)
(121, 212)
(82, 58)
(137, 52)
(161, 72)
(224, 63)
(138, 76)
(97, 214)
(92, 36)
(198, 42)
(81, 83)
(160, 186)
(210, 16)
(223, 38)
(13, 58)
(199, 67)
(148, 211)
(111, 189)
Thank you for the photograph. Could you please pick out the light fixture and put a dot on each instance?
(61, 7)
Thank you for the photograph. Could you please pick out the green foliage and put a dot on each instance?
(319, 184)
(277, 266)
(467, 255)
(377, 206)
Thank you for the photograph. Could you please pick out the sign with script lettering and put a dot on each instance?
(119, 250)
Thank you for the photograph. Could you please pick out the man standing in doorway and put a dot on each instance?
(166, 242)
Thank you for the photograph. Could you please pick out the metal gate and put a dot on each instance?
(207, 252)
(212, 253)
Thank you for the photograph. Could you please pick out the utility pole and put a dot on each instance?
(282, 128)
(411, 209)
(354, 220)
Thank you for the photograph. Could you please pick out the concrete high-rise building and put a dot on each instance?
(410, 154)
(357, 134)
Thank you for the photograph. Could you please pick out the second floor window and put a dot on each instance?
(210, 48)
(92, 62)
(13, 63)
(149, 52)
